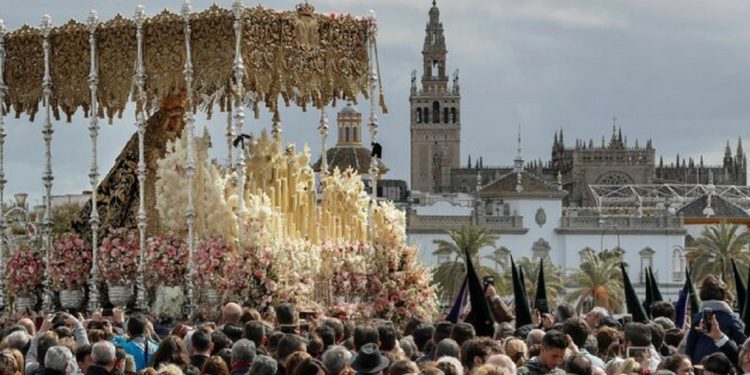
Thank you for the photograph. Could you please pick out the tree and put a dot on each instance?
(63, 215)
(713, 251)
(450, 274)
(598, 281)
(553, 278)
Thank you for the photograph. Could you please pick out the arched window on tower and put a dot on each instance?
(419, 115)
(647, 261)
(445, 115)
(426, 115)
(346, 134)
(435, 69)
(453, 115)
(435, 112)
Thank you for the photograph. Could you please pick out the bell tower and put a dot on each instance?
(435, 114)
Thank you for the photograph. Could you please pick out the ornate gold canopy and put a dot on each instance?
(298, 56)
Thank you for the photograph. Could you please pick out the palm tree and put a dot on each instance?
(553, 278)
(450, 274)
(598, 281)
(713, 251)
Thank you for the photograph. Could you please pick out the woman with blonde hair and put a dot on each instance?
(8, 363)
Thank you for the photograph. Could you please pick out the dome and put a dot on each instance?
(349, 110)
(356, 158)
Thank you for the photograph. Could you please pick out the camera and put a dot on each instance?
(708, 315)
(488, 280)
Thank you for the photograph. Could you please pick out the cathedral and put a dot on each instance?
(435, 127)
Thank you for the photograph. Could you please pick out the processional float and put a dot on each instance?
(233, 59)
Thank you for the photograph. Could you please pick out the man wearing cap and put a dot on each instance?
(369, 360)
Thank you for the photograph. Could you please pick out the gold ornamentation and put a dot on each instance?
(67, 43)
(116, 54)
(299, 56)
(24, 70)
(163, 57)
(212, 40)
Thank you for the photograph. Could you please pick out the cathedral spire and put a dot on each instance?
(519, 156)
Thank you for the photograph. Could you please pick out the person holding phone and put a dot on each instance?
(714, 311)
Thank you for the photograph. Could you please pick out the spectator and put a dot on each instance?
(202, 347)
(336, 359)
(243, 354)
(138, 342)
(103, 358)
(713, 296)
(369, 360)
(264, 365)
(678, 364)
(551, 354)
(215, 365)
(578, 331)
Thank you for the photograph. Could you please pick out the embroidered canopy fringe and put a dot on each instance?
(299, 56)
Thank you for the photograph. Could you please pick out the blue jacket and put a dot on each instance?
(135, 347)
(700, 345)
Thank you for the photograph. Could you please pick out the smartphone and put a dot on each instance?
(639, 353)
(488, 280)
(107, 312)
(708, 315)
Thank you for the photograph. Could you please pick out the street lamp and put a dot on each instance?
(611, 226)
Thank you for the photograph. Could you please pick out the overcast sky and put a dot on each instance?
(677, 72)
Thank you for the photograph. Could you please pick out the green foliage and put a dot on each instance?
(553, 278)
(598, 281)
(449, 275)
(712, 252)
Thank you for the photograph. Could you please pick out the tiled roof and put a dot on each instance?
(506, 184)
(720, 206)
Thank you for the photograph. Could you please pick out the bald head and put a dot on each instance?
(103, 354)
(231, 314)
(29, 325)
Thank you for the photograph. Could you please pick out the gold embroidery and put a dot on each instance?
(299, 56)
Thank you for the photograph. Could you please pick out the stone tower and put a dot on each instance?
(435, 114)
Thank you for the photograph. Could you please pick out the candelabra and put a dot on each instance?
(239, 109)
(93, 305)
(323, 128)
(140, 81)
(47, 176)
(2, 165)
(190, 163)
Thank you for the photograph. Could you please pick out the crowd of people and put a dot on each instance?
(243, 341)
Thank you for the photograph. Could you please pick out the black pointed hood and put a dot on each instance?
(649, 293)
(458, 305)
(655, 292)
(740, 287)
(522, 309)
(540, 297)
(480, 316)
(635, 309)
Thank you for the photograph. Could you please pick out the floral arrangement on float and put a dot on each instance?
(25, 272)
(70, 262)
(248, 276)
(166, 260)
(209, 260)
(118, 257)
(344, 271)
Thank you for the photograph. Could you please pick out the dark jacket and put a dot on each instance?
(96, 370)
(699, 345)
(198, 360)
(534, 367)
